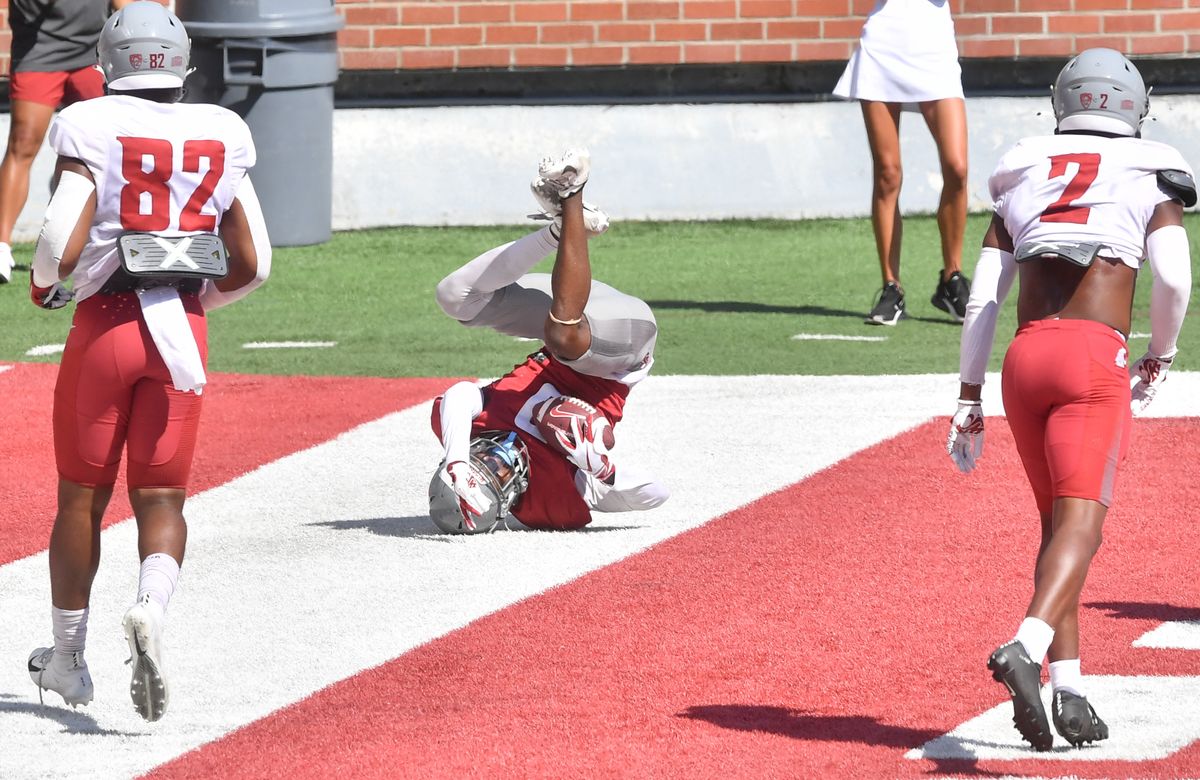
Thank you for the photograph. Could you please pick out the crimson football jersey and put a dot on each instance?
(552, 500)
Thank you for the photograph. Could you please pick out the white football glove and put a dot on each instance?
(965, 441)
(565, 174)
(471, 498)
(588, 452)
(1145, 377)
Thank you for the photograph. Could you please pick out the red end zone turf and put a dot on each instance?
(247, 421)
(822, 631)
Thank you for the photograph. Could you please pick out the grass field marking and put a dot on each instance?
(1152, 722)
(4, 368)
(45, 349)
(289, 344)
(834, 337)
(1139, 335)
(1175, 635)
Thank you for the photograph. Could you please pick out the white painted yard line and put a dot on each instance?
(4, 368)
(289, 344)
(1176, 635)
(1153, 721)
(834, 337)
(45, 349)
(323, 564)
(1139, 335)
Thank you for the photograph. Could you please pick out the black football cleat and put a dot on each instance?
(1075, 719)
(1011, 665)
(951, 295)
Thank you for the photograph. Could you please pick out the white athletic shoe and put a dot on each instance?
(65, 674)
(6, 263)
(143, 629)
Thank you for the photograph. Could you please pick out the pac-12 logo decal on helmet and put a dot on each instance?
(135, 61)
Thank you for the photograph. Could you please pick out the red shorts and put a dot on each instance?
(1066, 395)
(114, 391)
(56, 88)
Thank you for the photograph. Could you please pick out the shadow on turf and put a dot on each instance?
(421, 527)
(1137, 610)
(749, 307)
(796, 724)
(72, 721)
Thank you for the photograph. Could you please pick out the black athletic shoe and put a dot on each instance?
(1075, 719)
(1011, 665)
(951, 296)
(889, 309)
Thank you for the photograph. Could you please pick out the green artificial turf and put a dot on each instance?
(729, 297)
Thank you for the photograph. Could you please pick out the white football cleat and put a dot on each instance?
(64, 673)
(565, 174)
(143, 629)
(6, 263)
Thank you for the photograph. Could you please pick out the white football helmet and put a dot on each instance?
(499, 464)
(1100, 90)
(144, 46)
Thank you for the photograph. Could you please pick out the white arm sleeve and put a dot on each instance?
(212, 298)
(62, 215)
(1171, 260)
(994, 274)
(632, 491)
(461, 404)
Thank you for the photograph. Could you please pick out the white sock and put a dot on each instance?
(1036, 635)
(1066, 676)
(160, 574)
(70, 630)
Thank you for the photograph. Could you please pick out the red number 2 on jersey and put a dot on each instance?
(153, 183)
(1063, 209)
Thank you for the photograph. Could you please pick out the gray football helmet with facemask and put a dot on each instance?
(143, 46)
(1100, 90)
(499, 463)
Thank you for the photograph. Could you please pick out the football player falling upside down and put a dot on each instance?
(536, 443)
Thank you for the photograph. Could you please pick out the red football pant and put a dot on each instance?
(114, 391)
(1066, 395)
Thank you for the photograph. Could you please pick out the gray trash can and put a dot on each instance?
(274, 62)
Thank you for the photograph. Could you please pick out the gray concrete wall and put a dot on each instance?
(471, 165)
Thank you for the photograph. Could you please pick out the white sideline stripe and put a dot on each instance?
(1141, 727)
(289, 344)
(319, 565)
(4, 368)
(45, 349)
(834, 337)
(1176, 635)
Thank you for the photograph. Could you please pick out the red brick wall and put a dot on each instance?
(387, 34)
(488, 33)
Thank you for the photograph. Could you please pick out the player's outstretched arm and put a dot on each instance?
(244, 232)
(568, 334)
(64, 233)
(994, 275)
(1170, 258)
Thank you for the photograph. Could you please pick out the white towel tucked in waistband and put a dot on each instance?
(168, 324)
